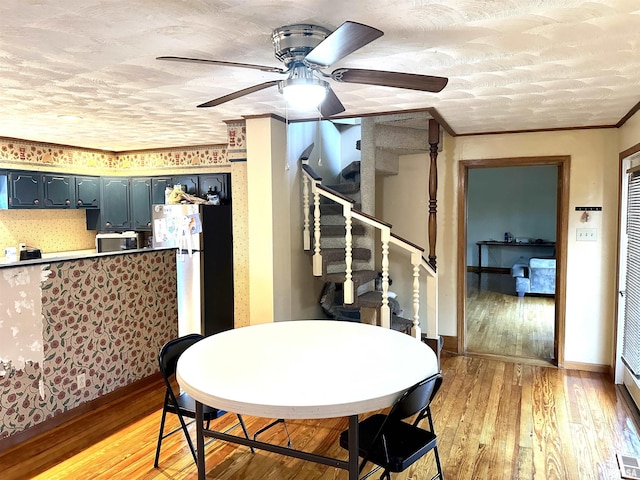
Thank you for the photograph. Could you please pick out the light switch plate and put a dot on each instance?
(586, 234)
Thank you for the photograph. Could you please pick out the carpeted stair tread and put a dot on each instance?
(351, 170)
(337, 254)
(401, 324)
(348, 188)
(360, 277)
(371, 299)
(335, 208)
(339, 230)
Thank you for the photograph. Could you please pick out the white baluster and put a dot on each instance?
(306, 235)
(317, 256)
(348, 256)
(385, 312)
(415, 261)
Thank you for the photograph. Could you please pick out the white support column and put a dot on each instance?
(317, 256)
(415, 262)
(306, 235)
(385, 312)
(348, 256)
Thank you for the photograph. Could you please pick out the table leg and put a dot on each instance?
(479, 258)
(353, 448)
(202, 474)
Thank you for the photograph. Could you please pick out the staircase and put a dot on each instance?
(342, 252)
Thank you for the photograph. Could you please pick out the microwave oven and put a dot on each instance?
(116, 242)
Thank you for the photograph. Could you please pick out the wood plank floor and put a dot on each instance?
(495, 420)
(501, 323)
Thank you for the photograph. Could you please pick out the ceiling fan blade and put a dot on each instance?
(238, 94)
(331, 105)
(346, 39)
(262, 68)
(410, 81)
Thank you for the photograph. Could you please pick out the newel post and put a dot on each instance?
(434, 139)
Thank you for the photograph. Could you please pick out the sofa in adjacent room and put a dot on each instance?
(537, 275)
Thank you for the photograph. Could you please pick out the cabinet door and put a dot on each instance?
(58, 191)
(218, 182)
(114, 204)
(158, 187)
(140, 190)
(25, 190)
(87, 192)
(189, 183)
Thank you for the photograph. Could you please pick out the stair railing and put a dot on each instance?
(312, 182)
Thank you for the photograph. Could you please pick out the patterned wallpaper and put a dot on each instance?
(63, 231)
(15, 153)
(66, 229)
(104, 317)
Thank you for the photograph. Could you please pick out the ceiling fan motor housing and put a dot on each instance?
(293, 42)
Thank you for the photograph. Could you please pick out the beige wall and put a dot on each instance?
(629, 133)
(269, 221)
(590, 265)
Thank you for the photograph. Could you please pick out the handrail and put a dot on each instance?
(416, 252)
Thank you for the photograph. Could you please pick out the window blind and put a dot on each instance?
(631, 335)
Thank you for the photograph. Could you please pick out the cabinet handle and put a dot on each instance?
(108, 224)
(79, 202)
(36, 202)
(67, 203)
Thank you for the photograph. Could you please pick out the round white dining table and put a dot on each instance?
(302, 369)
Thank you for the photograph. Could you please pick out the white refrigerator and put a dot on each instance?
(202, 236)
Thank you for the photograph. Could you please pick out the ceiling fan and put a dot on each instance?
(305, 50)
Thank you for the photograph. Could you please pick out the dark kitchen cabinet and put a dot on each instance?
(29, 189)
(140, 193)
(218, 183)
(189, 183)
(158, 188)
(160, 184)
(87, 191)
(114, 204)
(25, 189)
(58, 191)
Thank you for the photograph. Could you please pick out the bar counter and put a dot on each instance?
(79, 325)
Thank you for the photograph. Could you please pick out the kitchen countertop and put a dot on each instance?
(74, 255)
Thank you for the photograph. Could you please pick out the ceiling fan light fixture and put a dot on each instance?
(304, 93)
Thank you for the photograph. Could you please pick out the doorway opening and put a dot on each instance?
(492, 319)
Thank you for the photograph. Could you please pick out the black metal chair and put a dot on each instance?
(391, 443)
(182, 404)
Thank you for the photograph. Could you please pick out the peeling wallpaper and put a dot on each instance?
(104, 317)
(65, 230)
(21, 316)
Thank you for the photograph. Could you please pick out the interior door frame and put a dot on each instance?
(563, 162)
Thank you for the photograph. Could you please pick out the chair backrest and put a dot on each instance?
(417, 398)
(171, 351)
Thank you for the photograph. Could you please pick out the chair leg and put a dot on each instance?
(188, 437)
(272, 424)
(438, 465)
(164, 416)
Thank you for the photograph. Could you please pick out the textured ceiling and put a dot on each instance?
(512, 64)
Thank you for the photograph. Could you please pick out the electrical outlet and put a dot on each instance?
(81, 381)
(586, 234)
